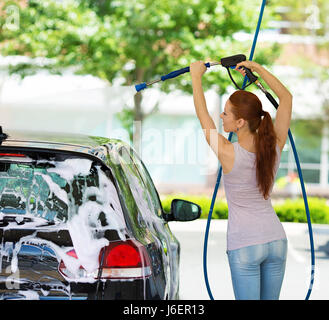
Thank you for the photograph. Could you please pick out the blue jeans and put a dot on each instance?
(257, 271)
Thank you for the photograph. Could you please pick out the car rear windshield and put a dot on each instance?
(56, 187)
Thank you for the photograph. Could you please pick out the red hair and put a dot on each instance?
(247, 106)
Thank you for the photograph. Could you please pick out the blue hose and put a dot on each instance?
(299, 173)
(307, 214)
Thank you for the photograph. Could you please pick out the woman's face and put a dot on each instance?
(229, 121)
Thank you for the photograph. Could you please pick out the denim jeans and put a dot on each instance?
(257, 271)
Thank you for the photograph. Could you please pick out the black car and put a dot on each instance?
(80, 218)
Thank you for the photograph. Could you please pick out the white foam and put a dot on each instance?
(29, 294)
(83, 223)
(72, 167)
(55, 188)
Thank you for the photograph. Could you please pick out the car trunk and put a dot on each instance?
(57, 211)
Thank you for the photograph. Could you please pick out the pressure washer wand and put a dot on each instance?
(267, 94)
(171, 75)
(227, 62)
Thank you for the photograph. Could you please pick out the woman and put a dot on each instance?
(256, 240)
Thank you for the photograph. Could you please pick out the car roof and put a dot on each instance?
(88, 144)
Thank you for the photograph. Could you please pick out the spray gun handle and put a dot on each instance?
(231, 62)
(179, 72)
(252, 78)
(249, 75)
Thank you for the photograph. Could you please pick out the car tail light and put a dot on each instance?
(121, 260)
(125, 259)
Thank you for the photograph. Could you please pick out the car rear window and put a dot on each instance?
(54, 188)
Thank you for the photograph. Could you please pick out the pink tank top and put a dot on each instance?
(251, 219)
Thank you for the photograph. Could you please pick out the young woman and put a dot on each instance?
(256, 240)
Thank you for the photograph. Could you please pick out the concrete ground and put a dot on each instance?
(298, 268)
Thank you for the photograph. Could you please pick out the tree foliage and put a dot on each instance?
(132, 40)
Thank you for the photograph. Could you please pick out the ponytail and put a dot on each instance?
(265, 141)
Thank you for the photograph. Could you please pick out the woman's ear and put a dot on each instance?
(241, 123)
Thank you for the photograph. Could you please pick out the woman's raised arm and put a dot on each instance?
(284, 111)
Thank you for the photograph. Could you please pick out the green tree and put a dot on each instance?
(135, 40)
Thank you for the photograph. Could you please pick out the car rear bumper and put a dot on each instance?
(138, 289)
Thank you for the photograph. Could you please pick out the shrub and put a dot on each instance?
(293, 210)
(289, 210)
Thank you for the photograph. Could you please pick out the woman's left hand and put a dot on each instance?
(197, 69)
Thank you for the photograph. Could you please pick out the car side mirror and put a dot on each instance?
(183, 210)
